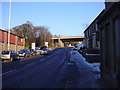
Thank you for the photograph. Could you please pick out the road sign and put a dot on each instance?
(33, 45)
(46, 44)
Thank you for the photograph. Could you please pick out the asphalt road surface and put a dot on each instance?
(36, 72)
(49, 71)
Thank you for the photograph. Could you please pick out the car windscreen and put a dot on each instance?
(45, 49)
(31, 49)
(23, 50)
(37, 48)
(5, 52)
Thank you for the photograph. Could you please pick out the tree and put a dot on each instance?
(45, 36)
(85, 26)
(37, 34)
(25, 30)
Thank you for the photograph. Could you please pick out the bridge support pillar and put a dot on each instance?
(61, 44)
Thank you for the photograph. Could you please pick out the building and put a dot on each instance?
(103, 33)
(16, 42)
(92, 37)
(109, 26)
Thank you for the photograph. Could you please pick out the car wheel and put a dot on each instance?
(18, 58)
(29, 55)
(11, 59)
(25, 55)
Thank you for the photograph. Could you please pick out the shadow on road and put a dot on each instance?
(69, 77)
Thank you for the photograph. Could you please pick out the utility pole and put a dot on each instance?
(9, 26)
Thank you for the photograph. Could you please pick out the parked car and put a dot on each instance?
(24, 53)
(45, 51)
(42, 47)
(82, 51)
(33, 52)
(78, 46)
(9, 55)
(38, 51)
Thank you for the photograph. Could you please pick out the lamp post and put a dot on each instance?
(9, 25)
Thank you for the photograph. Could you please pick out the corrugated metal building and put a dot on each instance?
(16, 42)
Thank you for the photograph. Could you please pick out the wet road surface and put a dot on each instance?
(60, 69)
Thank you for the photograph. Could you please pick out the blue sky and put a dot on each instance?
(62, 18)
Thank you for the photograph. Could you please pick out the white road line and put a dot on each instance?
(29, 64)
(63, 59)
(42, 59)
(8, 72)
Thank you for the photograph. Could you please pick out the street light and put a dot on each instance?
(9, 25)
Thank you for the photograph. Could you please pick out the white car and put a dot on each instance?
(45, 51)
(9, 55)
(38, 51)
(78, 46)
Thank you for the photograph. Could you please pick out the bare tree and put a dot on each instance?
(37, 34)
(85, 26)
(45, 36)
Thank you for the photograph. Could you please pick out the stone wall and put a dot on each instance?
(3, 46)
(20, 47)
(0, 47)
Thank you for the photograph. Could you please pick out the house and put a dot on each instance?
(16, 42)
(92, 37)
(109, 27)
(104, 33)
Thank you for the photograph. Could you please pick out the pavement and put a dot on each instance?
(89, 72)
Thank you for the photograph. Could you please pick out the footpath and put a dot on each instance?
(89, 72)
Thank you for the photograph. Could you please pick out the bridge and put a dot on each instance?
(67, 41)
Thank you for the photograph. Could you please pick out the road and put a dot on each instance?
(50, 71)
(39, 72)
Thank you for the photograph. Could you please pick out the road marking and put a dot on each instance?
(71, 63)
(29, 64)
(42, 59)
(8, 72)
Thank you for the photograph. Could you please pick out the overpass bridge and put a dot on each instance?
(66, 41)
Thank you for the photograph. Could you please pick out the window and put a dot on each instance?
(5, 52)
(20, 39)
(13, 52)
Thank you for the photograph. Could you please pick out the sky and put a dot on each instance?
(62, 18)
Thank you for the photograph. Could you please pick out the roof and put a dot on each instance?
(11, 33)
(114, 6)
(95, 19)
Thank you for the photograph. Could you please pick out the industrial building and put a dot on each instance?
(16, 42)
